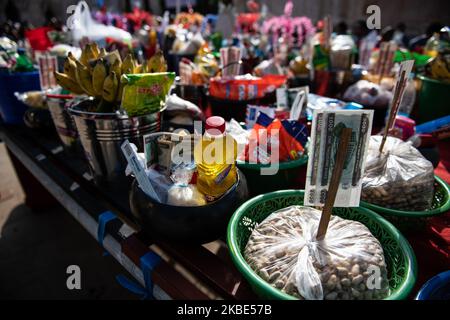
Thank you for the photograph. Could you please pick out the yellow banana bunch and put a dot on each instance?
(142, 68)
(70, 68)
(67, 83)
(117, 67)
(95, 50)
(99, 74)
(157, 63)
(110, 87)
(111, 57)
(102, 53)
(128, 65)
(84, 78)
(120, 91)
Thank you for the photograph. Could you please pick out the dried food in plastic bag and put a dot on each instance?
(348, 264)
(182, 193)
(400, 178)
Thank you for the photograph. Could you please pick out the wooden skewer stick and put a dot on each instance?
(334, 182)
(382, 60)
(399, 88)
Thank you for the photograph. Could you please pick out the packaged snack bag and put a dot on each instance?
(245, 87)
(146, 92)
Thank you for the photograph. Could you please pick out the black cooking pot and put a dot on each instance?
(187, 224)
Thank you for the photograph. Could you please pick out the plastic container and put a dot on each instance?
(437, 288)
(215, 174)
(413, 221)
(11, 109)
(434, 96)
(186, 224)
(290, 175)
(400, 258)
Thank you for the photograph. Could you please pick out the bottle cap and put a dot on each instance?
(215, 125)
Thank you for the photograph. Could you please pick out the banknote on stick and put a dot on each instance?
(326, 129)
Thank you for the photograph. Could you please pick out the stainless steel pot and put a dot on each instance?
(64, 124)
(101, 135)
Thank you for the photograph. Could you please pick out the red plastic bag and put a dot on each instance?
(245, 87)
(38, 38)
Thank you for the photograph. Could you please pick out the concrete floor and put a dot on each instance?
(37, 248)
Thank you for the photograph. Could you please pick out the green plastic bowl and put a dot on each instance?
(433, 99)
(400, 258)
(413, 221)
(290, 175)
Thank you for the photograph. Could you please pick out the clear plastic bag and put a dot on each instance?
(83, 25)
(348, 264)
(401, 178)
(182, 193)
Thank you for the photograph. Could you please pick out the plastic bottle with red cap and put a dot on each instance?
(215, 156)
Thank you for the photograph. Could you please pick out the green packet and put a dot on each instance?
(145, 93)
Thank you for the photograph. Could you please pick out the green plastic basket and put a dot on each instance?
(413, 221)
(290, 175)
(400, 258)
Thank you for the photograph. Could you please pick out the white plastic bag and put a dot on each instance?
(401, 178)
(284, 251)
(182, 193)
(368, 94)
(175, 104)
(84, 26)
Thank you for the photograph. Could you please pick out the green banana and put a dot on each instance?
(99, 74)
(84, 55)
(102, 53)
(120, 92)
(70, 68)
(157, 63)
(110, 87)
(95, 50)
(128, 64)
(117, 68)
(67, 83)
(111, 57)
(84, 78)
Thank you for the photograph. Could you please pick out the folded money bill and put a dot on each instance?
(326, 129)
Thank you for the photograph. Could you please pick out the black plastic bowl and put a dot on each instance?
(186, 224)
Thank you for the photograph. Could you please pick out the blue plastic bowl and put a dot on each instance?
(11, 109)
(437, 288)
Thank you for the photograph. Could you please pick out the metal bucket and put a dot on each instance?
(101, 135)
(64, 123)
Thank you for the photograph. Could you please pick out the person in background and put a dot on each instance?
(418, 43)
(400, 35)
(387, 34)
(359, 31)
(341, 28)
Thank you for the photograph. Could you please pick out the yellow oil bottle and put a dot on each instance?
(215, 156)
